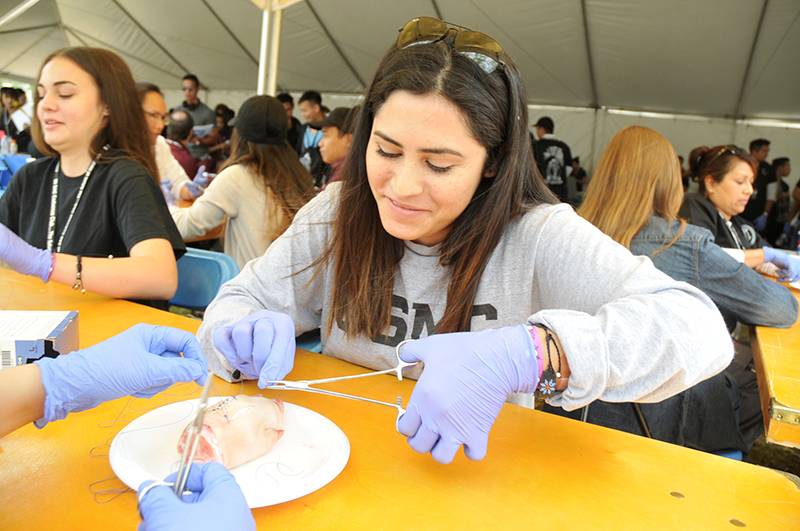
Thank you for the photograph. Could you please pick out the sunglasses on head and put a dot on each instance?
(729, 149)
(476, 46)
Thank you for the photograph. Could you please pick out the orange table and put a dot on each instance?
(777, 357)
(542, 470)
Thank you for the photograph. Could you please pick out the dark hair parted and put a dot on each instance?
(285, 97)
(143, 88)
(365, 257)
(758, 143)
(125, 130)
(280, 172)
(717, 162)
(779, 161)
(312, 96)
(192, 78)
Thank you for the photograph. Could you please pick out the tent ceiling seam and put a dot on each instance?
(155, 41)
(228, 30)
(437, 10)
(738, 109)
(72, 32)
(336, 45)
(775, 50)
(75, 31)
(30, 28)
(595, 103)
(26, 50)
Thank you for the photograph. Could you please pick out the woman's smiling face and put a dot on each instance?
(423, 165)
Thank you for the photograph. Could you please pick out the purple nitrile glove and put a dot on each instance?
(788, 265)
(467, 378)
(760, 223)
(141, 361)
(23, 257)
(261, 345)
(197, 186)
(216, 502)
(166, 189)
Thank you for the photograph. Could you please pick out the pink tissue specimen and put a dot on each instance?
(238, 429)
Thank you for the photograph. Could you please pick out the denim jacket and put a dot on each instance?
(705, 416)
(740, 293)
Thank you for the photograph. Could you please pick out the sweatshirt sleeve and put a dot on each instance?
(220, 200)
(280, 280)
(629, 332)
(169, 167)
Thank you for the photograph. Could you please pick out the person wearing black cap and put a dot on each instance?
(260, 188)
(337, 136)
(553, 157)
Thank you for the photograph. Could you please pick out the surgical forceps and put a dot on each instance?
(308, 385)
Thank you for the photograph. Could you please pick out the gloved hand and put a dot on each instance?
(788, 265)
(141, 361)
(166, 189)
(216, 502)
(467, 378)
(261, 345)
(197, 186)
(760, 223)
(23, 257)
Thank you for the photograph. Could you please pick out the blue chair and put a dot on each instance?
(310, 341)
(5, 174)
(15, 162)
(200, 275)
(736, 455)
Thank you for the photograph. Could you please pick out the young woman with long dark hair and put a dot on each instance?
(91, 214)
(260, 188)
(442, 232)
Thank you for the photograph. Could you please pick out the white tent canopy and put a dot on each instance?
(721, 58)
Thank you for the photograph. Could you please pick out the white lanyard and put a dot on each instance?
(732, 229)
(51, 224)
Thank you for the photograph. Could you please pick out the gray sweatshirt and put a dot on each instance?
(630, 332)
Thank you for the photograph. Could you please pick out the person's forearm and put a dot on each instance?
(22, 396)
(753, 257)
(132, 277)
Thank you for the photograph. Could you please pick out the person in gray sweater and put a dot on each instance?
(635, 195)
(442, 233)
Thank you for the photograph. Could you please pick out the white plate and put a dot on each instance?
(311, 453)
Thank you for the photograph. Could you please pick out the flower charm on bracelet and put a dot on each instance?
(547, 386)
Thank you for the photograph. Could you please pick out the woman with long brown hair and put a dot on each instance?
(91, 213)
(442, 232)
(259, 190)
(634, 197)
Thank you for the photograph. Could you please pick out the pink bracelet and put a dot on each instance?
(537, 346)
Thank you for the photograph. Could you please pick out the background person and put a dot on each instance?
(441, 225)
(91, 214)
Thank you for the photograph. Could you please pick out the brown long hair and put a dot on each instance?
(280, 173)
(638, 175)
(716, 162)
(365, 257)
(125, 131)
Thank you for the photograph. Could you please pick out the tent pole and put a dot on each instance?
(274, 49)
(13, 13)
(263, 51)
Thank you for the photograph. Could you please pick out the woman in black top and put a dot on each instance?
(725, 175)
(91, 215)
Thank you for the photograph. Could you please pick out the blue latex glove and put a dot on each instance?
(198, 185)
(216, 503)
(467, 379)
(788, 265)
(23, 257)
(261, 345)
(141, 361)
(166, 189)
(760, 223)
